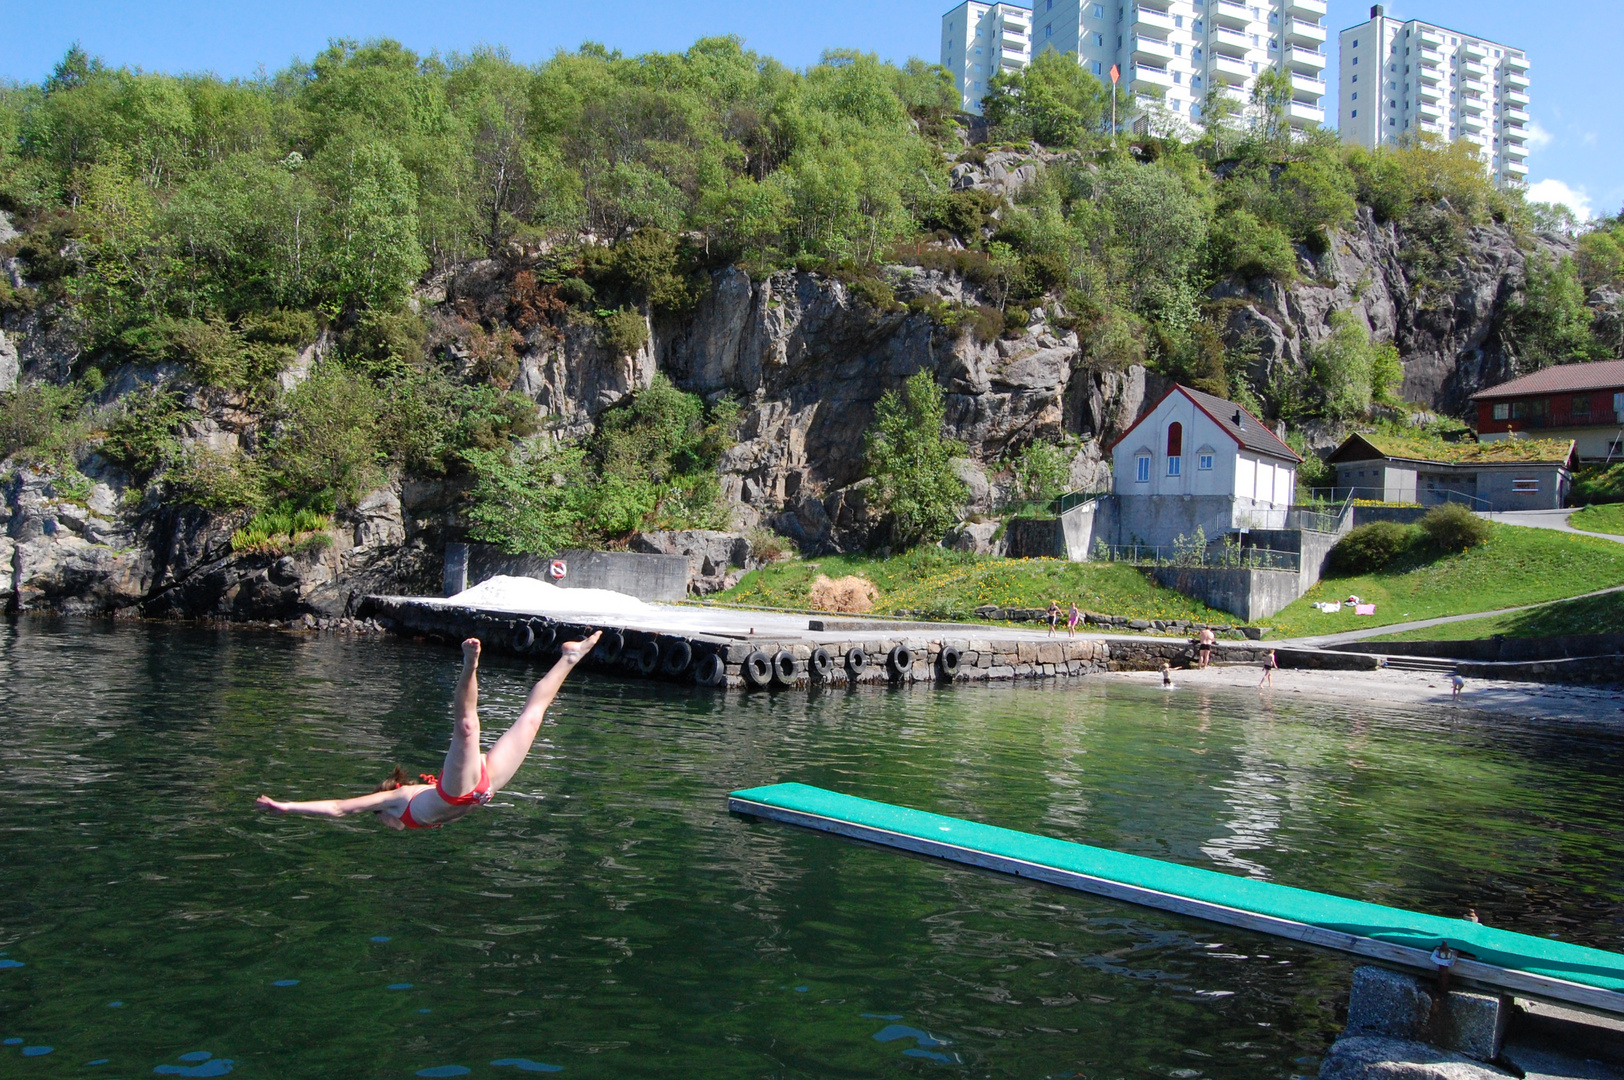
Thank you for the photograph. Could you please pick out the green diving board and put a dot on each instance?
(1501, 959)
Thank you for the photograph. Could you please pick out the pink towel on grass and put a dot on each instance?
(1364, 609)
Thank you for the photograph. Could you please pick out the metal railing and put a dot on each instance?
(1072, 499)
(1224, 556)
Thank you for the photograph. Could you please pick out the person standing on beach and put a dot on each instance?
(1054, 617)
(1456, 685)
(1268, 671)
(1073, 617)
(1204, 643)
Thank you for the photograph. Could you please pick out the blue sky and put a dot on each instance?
(1573, 45)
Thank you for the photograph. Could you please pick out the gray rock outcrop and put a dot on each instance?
(716, 560)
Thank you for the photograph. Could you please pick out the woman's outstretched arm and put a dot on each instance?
(378, 800)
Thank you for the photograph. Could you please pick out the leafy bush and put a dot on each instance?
(1042, 471)
(1371, 547)
(1350, 371)
(528, 504)
(221, 481)
(42, 418)
(1452, 527)
(911, 460)
(144, 438)
(1244, 245)
(624, 331)
(328, 448)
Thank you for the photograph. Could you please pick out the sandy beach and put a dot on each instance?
(1525, 701)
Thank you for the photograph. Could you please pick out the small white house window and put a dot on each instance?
(1525, 486)
(1174, 464)
(1143, 474)
(1203, 461)
(1502, 410)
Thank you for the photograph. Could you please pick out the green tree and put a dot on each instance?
(1551, 324)
(1349, 370)
(911, 460)
(1054, 101)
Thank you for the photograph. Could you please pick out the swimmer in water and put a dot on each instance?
(468, 778)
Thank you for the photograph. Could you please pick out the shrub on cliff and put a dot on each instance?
(911, 460)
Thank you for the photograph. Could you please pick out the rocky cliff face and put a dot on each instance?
(807, 359)
(1450, 332)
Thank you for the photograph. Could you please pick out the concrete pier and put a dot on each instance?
(756, 650)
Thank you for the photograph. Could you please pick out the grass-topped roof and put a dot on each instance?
(1420, 446)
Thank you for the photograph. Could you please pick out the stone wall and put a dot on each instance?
(1496, 649)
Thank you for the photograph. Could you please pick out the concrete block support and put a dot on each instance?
(1389, 1004)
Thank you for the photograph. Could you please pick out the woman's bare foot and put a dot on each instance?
(470, 652)
(265, 802)
(573, 651)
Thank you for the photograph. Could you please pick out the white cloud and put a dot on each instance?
(1555, 191)
(1538, 137)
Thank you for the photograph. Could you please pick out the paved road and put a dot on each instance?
(1544, 519)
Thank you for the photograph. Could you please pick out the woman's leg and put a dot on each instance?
(510, 750)
(460, 774)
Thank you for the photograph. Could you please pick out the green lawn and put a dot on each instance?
(1516, 566)
(950, 585)
(1605, 518)
(1592, 615)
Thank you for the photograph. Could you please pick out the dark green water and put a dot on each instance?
(607, 916)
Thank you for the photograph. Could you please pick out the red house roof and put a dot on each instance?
(1248, 431)
(1602, 375)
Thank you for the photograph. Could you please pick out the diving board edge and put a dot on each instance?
(1464, 970)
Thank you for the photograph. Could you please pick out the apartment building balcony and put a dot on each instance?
(1306, 9)
(1516, 97)
(1517, 80)
(1018, 42)
(1474, 50)
(1227, 42)
(1430, 72)
(1306, 60)
(1517, 63)
(1302, 32)
(1151, 76)
(1302, 114)
(1013, 60)
(1232, 68)
(1431, 38)
(1430, 112)
(1514, 117)
(1153, 49)
(1431, 92)
(1470, 104)
(1470, 70)
(1517, 169)
(1159, 23)
(1474, 86)
(1473, 124)
(1515, 151)
(1229, 13)
(1304, 87)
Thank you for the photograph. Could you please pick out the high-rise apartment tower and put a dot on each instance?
(1170, 53)
(1401, 78)
(979, 40)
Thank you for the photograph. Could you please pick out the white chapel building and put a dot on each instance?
(1197, 461)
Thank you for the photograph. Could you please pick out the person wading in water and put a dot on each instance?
(468, 778)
